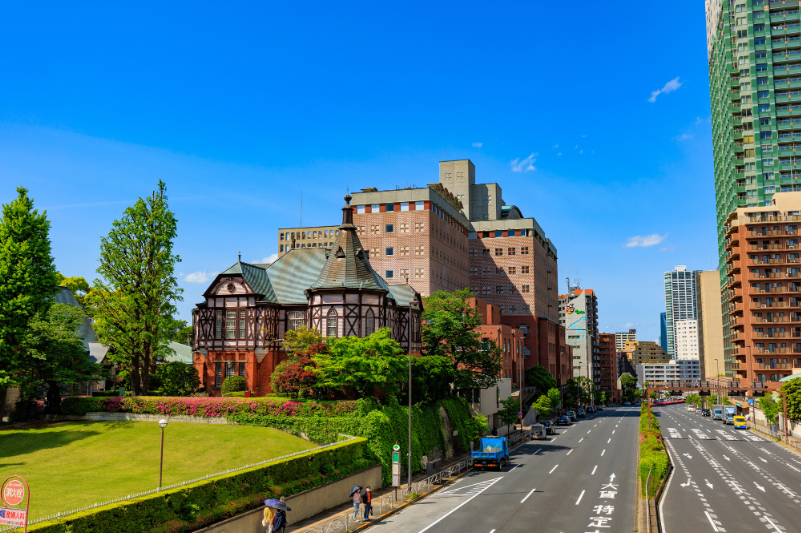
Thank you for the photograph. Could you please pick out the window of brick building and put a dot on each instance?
(511, 251)
(524, 250)
(374, 252)
(485, 290)
(404, 227)
(360, 230)
(404, 273)
(389, 250)
(419, 227)
(498, 270)
(512, 270)
(389, 228)
(390, 207)
(501, 307)
(524, 269)
(485, 251)
(512, 308)
(331, 329)
(512, 289)
(499, 289)
(389, 274)
(419, 206)
(419, 273)
(404, 250)
(498, 251)
(420, 249)
(526, 308)
(524, 288)
(374, 229)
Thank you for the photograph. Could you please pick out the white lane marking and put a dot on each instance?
(794, 468)
(588, 431)
(726, 458)
(538, 450)
(613, 431)
(552, 469)
(771, 523)
(760, 487)
(593, 470)
(568, 453)
(581, 439)
(443, 517)
(515, 466)
(763, 459)
(521, 501)
(710, 521)
(580, 497)
(602, 453)
(610, 440)
(611, 478)
(708, 484)
(492, 531)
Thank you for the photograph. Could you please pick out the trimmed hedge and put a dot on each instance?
(195, 506)
(653, 455)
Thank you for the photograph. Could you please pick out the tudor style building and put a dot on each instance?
(240, 325)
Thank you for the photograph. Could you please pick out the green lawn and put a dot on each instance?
(73, 464)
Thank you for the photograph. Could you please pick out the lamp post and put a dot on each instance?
(162, 425)
(717, 378)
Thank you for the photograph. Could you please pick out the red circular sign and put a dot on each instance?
(13, 492)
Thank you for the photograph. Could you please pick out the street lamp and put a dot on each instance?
(162, 425)
(717, 378)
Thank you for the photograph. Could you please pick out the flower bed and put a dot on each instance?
(653, 455)
(207, 407)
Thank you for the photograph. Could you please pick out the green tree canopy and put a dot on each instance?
(555, 396)
(792, 390)
(543, 406)
(78, 285)
(450, 330)
(27, 282)
(538, 376)
(56, 354)
(301, 339)
(432, 376)
(178, 379)
(770, 407)
(628, 384)
(134, 301)
(362, 364)
(508, 411)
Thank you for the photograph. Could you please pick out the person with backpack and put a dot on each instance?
(367, 501)
(279, 521)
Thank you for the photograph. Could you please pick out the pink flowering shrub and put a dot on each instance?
(206, 407)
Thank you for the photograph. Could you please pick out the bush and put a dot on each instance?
(195, 506)
(234, 384)
(653, 456)
(239, 394)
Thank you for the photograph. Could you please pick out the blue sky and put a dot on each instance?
(240, 107)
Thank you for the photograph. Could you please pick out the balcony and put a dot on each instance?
(736, 308)
(774, 366)
(772, 334)
(760, 305)
(767, 247)
(774, 350)
(735, 366)
(735, 294)
(763, 233)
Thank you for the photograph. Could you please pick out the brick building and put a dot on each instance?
(457, 234)
(607, 366)
(762, 292)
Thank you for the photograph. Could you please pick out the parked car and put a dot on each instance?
(626, 403)
(581, 413)
(563, 421)
(691, 408)
(600, 408)
(549, 427)
(706, 412)
(572, 415)
(698, 410)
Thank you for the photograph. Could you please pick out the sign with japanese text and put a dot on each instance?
(13, 517)
(13, 492)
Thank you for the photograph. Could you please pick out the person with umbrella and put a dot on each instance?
(356, 494)
(275, 514)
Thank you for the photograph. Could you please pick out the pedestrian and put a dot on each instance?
(494, 432)
(367, 500)
(424, 462)
(279, 520)
(357, 499)
(269, 514)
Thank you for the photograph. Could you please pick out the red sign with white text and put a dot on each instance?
(13, 492)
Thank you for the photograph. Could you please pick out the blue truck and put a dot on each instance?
(493, 452)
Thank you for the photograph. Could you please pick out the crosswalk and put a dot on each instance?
(719, 434)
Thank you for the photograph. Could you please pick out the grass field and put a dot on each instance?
(72, 464)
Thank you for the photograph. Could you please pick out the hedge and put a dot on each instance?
(195, 506)
(653, 455)
(382, 426)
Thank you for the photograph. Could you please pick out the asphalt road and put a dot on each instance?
(582, 479)
(726, 480)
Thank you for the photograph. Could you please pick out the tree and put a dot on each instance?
(56, 355)
(362, 364)
(450, 330)
(555, 396)
(604, 396)
(538, 377)
(628, 383)
(78, 285)
(178, 379)
(508, 411)
(770, 407)
(27, 281)
(543, 406)
(725, 400)
(432, 376)
(301, 339)
(298, 373)
(792, 391)
(134, 301)
(179, 331)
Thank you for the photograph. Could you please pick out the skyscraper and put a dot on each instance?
(578, 314)
(663, 330)
(621, 337)
(680, 304)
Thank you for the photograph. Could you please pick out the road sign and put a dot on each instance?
(520, 415)
(396, 466)
(395, 469)
(396, 447)
(13, 492)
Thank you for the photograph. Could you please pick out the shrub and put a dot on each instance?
(653, 455)
(239, 394)
(234, 384)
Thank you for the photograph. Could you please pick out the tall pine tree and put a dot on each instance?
(27, 281)
(134, 301)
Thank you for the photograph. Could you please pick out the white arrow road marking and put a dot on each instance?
(611, 478)
(708, 484)
(762, 459)
(440, 519)
(760, 487)
(688, 456)
(580, 497)
(686, 484)
(726, 458)
(524, 499)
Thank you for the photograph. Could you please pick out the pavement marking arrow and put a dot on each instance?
(760, 487)
(688, 456)
(726, 458)
(686, 484)
(762, 459)
(611, 478)
(708, 484)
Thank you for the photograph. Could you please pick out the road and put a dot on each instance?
(726, 480)
(581, 479)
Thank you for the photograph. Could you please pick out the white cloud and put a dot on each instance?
(526, 164)
(556, 146)
(644, 241)
(668, 248)
(200, 277)
(669, 87)
(560, 153)
(581, 151)
(478, 145)
(268, 259)
(683, 137)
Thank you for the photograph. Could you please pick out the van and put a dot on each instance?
(739, 422)
(717, 413)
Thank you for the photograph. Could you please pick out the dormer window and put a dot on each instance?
(332, 323)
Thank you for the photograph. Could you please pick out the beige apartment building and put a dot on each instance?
(645, 352)
(710, 323)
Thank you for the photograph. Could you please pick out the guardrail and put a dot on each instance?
(64, 514)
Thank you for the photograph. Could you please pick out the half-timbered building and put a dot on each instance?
(240, 326)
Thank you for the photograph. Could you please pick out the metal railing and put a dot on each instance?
(64, 514)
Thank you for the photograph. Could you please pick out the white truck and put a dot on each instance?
(729, 412)
(717, 412)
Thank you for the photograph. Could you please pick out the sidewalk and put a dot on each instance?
(347, 509)
(794, 444)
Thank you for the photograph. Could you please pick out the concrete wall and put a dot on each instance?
(303, 505)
